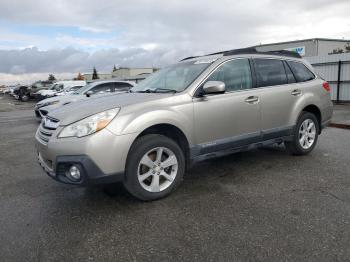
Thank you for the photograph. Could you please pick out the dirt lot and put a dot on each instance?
(262, 205)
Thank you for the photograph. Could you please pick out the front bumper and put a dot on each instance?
(90, 173)
(101, 157)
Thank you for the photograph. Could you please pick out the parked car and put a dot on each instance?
(199, 108)
(69, 90)
(21, 92)
(39, 85)
(58, 87)
(99, 88)
(4, 90)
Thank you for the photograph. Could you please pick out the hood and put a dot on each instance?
(81, 109)
(61, 99)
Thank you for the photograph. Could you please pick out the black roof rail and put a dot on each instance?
(253, 50)
(188, 58)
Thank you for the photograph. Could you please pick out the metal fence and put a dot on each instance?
(336, 70)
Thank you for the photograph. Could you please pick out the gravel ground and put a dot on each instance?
(262, 205)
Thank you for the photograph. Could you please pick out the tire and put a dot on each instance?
(24, 98)
(299, 146)
(162, 151)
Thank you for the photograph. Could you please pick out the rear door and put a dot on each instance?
(231, 119)
(278, 94)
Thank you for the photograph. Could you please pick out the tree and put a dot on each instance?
(347, 48)
(94, 74)
(52, 77)
(114, 68)
(79, 77)
(337, 51)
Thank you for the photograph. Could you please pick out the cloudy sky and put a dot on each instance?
(64, 37)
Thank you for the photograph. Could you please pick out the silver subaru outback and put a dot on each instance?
(199, 108)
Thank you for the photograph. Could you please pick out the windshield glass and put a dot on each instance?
(52, 87)
(84, 89)
(174, 78)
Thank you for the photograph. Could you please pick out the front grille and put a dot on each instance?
(46, 129)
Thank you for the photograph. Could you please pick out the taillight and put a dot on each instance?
(326, 86)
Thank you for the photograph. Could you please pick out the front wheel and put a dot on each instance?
(155, 166)
(305, 135)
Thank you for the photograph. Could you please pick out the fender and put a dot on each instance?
(181, 117)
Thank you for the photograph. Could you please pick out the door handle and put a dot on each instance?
(252, 100)
(296, 92)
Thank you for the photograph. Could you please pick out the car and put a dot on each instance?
(69, 90)
(197, 109)
(39, 85)
(95, 88)
(58, 87)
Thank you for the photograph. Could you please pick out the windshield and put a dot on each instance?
(82, 90)
(174, 78)
(53, 87)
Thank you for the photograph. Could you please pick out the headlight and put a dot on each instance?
(89, 125)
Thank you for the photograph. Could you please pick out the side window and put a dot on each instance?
(103, 88)
(235, 74)
(301, 72)
(270, 72)
(290, 76)
(122, 86)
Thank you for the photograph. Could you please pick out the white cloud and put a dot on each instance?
(156, 32)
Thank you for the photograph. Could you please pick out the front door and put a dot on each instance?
(231, 119)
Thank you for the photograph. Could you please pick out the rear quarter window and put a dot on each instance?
(300, 71)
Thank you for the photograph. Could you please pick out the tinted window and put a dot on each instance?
(270, 72)
(301, 72)
(235, 74)
(103, 88)
(122, 86)
(290, 76)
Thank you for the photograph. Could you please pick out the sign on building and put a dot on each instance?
(300, 50)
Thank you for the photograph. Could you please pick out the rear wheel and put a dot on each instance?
(305, 135)
(155, 166)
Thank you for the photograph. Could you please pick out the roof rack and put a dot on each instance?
(190, 57)
(251, 50)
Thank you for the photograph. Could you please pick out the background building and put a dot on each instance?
(329, 57)
(126, 72)
(308, 47)
(102, 76)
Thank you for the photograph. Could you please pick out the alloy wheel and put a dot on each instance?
(307, 133)
(157, 169)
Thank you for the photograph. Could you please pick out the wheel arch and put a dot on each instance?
(171, 131)
(313, 109)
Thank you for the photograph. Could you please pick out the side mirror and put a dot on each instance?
(214, 87)
(89, 93)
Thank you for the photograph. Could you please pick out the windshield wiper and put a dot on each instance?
(157, 90)
(145, 91)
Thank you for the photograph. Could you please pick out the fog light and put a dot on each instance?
(73, 173)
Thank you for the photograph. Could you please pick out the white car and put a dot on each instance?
(98, 88)
(58, 87)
